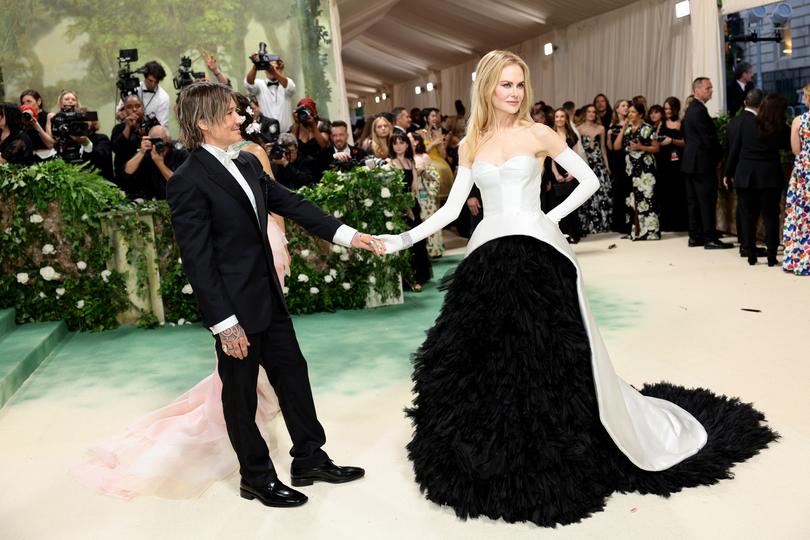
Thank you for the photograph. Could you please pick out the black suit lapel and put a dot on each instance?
(250, 177)
(220, 175)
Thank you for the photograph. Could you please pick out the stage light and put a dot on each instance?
(430, 87)
(682, 9)
(548, 48)
(781, 14)
(384, 96)
(473, 76)
(755, 15)
(359, 104)
(376, 99)
(417, 90)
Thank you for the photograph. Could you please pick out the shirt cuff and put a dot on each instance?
(344, 236)
(87, 148)
(224, 325)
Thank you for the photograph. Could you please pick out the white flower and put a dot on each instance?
(313, 290)
(105, 275)
(181, 322)
(303, 278)
(48, 249)
(305, 253)
(22, 278)
(364, 225)
(346, 286)
(42, 295)
(139, 201)
(388, 213)
(60, 291)
(389, 225)
(179, 260)
(372, 280)
(285, 290)
(48, 273)
(35, 218)
(84, 217)
(333, 272)
(328, 279)
(367, 203)
(385, 193)
(336, 248)
(386, 166)
(249, 110)
(7, 230)
(338, 214)
(81, 265)
(253, 128)
(344, 257)
(187, 289)
(80, 304)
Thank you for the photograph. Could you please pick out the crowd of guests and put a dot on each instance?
(657, 164)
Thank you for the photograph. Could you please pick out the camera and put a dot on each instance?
(264, 59)
(127, 82)
(29, 113)
(148, 122)
(158, 144)
(276, 150)
(185, 76)
(303, 114)
(69, 123)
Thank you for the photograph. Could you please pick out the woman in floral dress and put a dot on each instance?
(636, 137)
(596, 214)
(797, 203)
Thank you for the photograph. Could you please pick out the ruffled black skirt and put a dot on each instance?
(505, 414)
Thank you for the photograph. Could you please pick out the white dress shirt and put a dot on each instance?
(275, 100)
(343, 236)
(156, 103)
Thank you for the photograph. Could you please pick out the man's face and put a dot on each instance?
(704, 91)
(601, 104)
(225, 132)
(747, 76)
(404, 120)
(340, 137)
(150, 82)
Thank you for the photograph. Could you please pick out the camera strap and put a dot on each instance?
(143, 91)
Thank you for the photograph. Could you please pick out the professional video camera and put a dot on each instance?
(65, 125)
(303, 114)
(127, 83)
(185, 76)
(264, 59)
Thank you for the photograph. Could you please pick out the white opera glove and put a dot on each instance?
(438, 221)
(588, 184)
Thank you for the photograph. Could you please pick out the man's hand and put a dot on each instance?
(146, 145)
(81, 140)
(727, 182)
(210, 61)
(234, 342)
(367, 242)
(341, 156)
(157, 157)
(474, 205)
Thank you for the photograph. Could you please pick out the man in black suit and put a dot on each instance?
(342, 151)
(699, 165)
(737, 89)
(219, 200)
(402, 120)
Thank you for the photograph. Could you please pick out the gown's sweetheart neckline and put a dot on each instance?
(533, 158)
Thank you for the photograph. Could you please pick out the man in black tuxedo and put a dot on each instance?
(701, 156)
(402, 120)
(739, 87)
(219, 200)
(342, 151)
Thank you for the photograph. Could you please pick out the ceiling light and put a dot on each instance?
(682, 9)
(430, 87)
(548, 48)
(384, 96)
(376, 99)
(359, 104)
(418, 90)
(473, 75)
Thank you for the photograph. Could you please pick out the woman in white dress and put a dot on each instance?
(518, 412)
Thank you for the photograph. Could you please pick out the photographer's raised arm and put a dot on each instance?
(135, 161)
(250, 79)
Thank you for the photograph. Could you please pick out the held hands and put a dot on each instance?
(392, 243)
(234, 342)
(369, 243)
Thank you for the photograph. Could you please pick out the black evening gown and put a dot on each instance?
(671, 186)
(420, 258)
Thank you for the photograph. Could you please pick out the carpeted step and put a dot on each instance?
(22, 350)
(6, 321)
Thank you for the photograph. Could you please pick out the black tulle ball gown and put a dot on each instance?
(518, 414)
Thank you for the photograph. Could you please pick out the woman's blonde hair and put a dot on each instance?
(487, 77)
(380, 146)
(202, 100)
(62, 94)
(806, 90)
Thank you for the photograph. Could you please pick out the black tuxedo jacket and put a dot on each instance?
(735, 96)
(753, 158)
(224, 247)
(702, 151)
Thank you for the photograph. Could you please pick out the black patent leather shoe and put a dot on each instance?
(760, 252)
(695, 243)
(772, 260)
(717, 244)
(273, 493)
(325, 472)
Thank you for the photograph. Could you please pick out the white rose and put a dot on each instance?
(253, 128)
(139, 201)
(22, 278)
(328, 279)
(105, 275)
(42, 295)
(35, 218)
(84, 217)
(187, 289)
(181, 322)
(48, 273)
(80, 304)
(249, 110)
(7, 230)
(179, 260)
(346, 286)
(48, 249)
(388, 213)
(305, 253)
(367, 203)
(338, 214)
(285, 290)
(333, 272)
(389, 225)
(60, 291)
(364, 225)
(81, 265)
(335, 248)
(385, 193)
(313, 290)
(303, 278)
(344, 257)
(372, 280)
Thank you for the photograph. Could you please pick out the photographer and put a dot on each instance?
(153, 164)
(275, 92)
(126, 139)
(314, 153)
(68, 100)
(35, 122)
(96, 148)
(15, 146)
(154, 99)
(285, 165)
(342, 151)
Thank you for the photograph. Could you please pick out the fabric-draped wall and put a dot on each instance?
(638, 49)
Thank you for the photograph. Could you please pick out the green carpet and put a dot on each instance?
(348, 352)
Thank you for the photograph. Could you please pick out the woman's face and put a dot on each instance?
(29, 100)
(382, 130)
(69, 100)
(510, 90)
(590, 114)
(632, 114)
(559, 119)
(433, 119)
(400, 146)
(622, 108)
(655, 117)
(667, 110)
